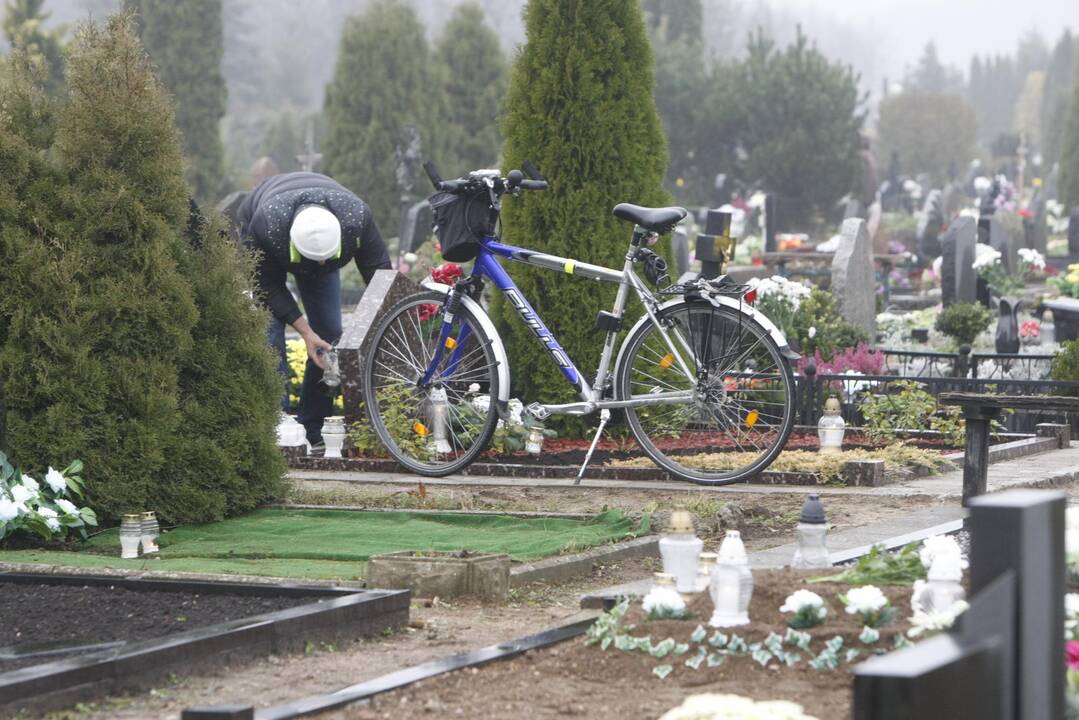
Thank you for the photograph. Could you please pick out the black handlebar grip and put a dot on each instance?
(432, 174)
(534, 184)
(531, 170)
(451, 185)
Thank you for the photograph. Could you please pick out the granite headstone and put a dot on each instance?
(854, 284)
(958, 280)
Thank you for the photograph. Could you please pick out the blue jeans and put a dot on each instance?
(321, 298)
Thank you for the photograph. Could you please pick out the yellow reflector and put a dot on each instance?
(420, 429)
(666, 361)
(450, 343)
(752, 417)
(569, 266)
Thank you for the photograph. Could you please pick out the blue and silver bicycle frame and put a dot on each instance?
(592, 398)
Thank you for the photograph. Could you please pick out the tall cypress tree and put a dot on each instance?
(1069, 154)
(580, 106)
(475, 75)
(382, 82)
(185, 42)
(1059, 78)
(24, 27)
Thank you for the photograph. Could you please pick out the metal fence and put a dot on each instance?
(967, 364)
(813, 388)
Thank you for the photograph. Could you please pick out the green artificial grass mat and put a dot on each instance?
(337, 543)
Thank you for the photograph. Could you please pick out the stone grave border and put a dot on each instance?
(333, 613)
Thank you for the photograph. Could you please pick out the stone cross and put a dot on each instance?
(386, 288)
(854, 283)
(959, 281)
(310, 159)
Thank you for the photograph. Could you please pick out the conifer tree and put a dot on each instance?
(24, 28)
(580, 106)
(475, 75)
(125, 346)
(185, 42)
(1059, 78)
(1069, 154)
(382, 82)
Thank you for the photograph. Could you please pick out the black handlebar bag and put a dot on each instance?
(460, 221)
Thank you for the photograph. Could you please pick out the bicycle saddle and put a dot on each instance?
(658, 220)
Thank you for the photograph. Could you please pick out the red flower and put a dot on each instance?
(1027, 214)
(1072, 649)
(428, 311)
(447, 273)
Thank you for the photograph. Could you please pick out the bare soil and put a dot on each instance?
(37, 618)
(582, 680)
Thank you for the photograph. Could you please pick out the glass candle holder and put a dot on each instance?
(149, 532)
(130, 536)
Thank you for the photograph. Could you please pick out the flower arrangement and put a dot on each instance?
(663, 603)
(870, 603)
(1068, 283)
(989, 266)
(808, 608)
(447, 273)
(931, 623)
(42, 508)
(937, 545)
(1029, 331)
(714, 706)
(861, 359)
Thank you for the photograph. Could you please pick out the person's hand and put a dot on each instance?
(314, 345)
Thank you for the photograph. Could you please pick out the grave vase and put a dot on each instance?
(1008, 326)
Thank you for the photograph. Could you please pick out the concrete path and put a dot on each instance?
(1044, 469)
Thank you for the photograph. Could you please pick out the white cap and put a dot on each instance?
(316, 233)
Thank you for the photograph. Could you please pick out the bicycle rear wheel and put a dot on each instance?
(741, 387)
(430, 396)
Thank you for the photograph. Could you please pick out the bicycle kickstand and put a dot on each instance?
(604, 416)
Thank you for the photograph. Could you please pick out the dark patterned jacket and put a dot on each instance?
(265, 218)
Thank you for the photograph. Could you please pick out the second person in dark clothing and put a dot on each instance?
(308, 225)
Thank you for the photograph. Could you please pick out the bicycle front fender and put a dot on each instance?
(488, 327)
(717, 301)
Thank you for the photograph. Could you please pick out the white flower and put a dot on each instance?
(53, 524)
(1032, 257)
(663, 600)
(67, 507)
(803, 598)
(933, 622)
(30, 483)
(410, 258)
(982, 184)
(8, 510)
(55, 480)
(985, 256)
(813, 331)
(938, 545)
(866, 599)
(474, 388)
(21, 494)
(46, 512)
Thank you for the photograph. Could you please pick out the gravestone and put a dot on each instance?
(929, 224)
(386, 288)
(854, 283)
(958, 281)
(1037, 232)
(680, 249)
(1073, 232)
(416, 229)
(1002, 240)
(953, 200)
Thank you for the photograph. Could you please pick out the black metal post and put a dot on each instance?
(770, 223)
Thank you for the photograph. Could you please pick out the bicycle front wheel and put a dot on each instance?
(737, 402)
(430, 392)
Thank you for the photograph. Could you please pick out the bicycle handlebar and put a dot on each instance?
(513, 181)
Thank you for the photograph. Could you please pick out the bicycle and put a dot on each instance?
(704, 379)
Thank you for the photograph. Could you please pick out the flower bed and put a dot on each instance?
(583, 679)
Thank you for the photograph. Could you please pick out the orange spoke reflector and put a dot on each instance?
(666, 361)
(752, 417)
(450, 343)
(420, 429)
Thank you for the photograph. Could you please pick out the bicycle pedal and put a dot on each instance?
(538, 411)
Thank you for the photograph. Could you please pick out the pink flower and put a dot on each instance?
(1072, 650)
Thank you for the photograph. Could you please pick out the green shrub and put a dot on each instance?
(1066, 362)
(817, 325)
(964, 322)
(125, 346)
(911, 408)
(580, 107)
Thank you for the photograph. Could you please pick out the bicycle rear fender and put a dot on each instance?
(721, 301)
(502, 401)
